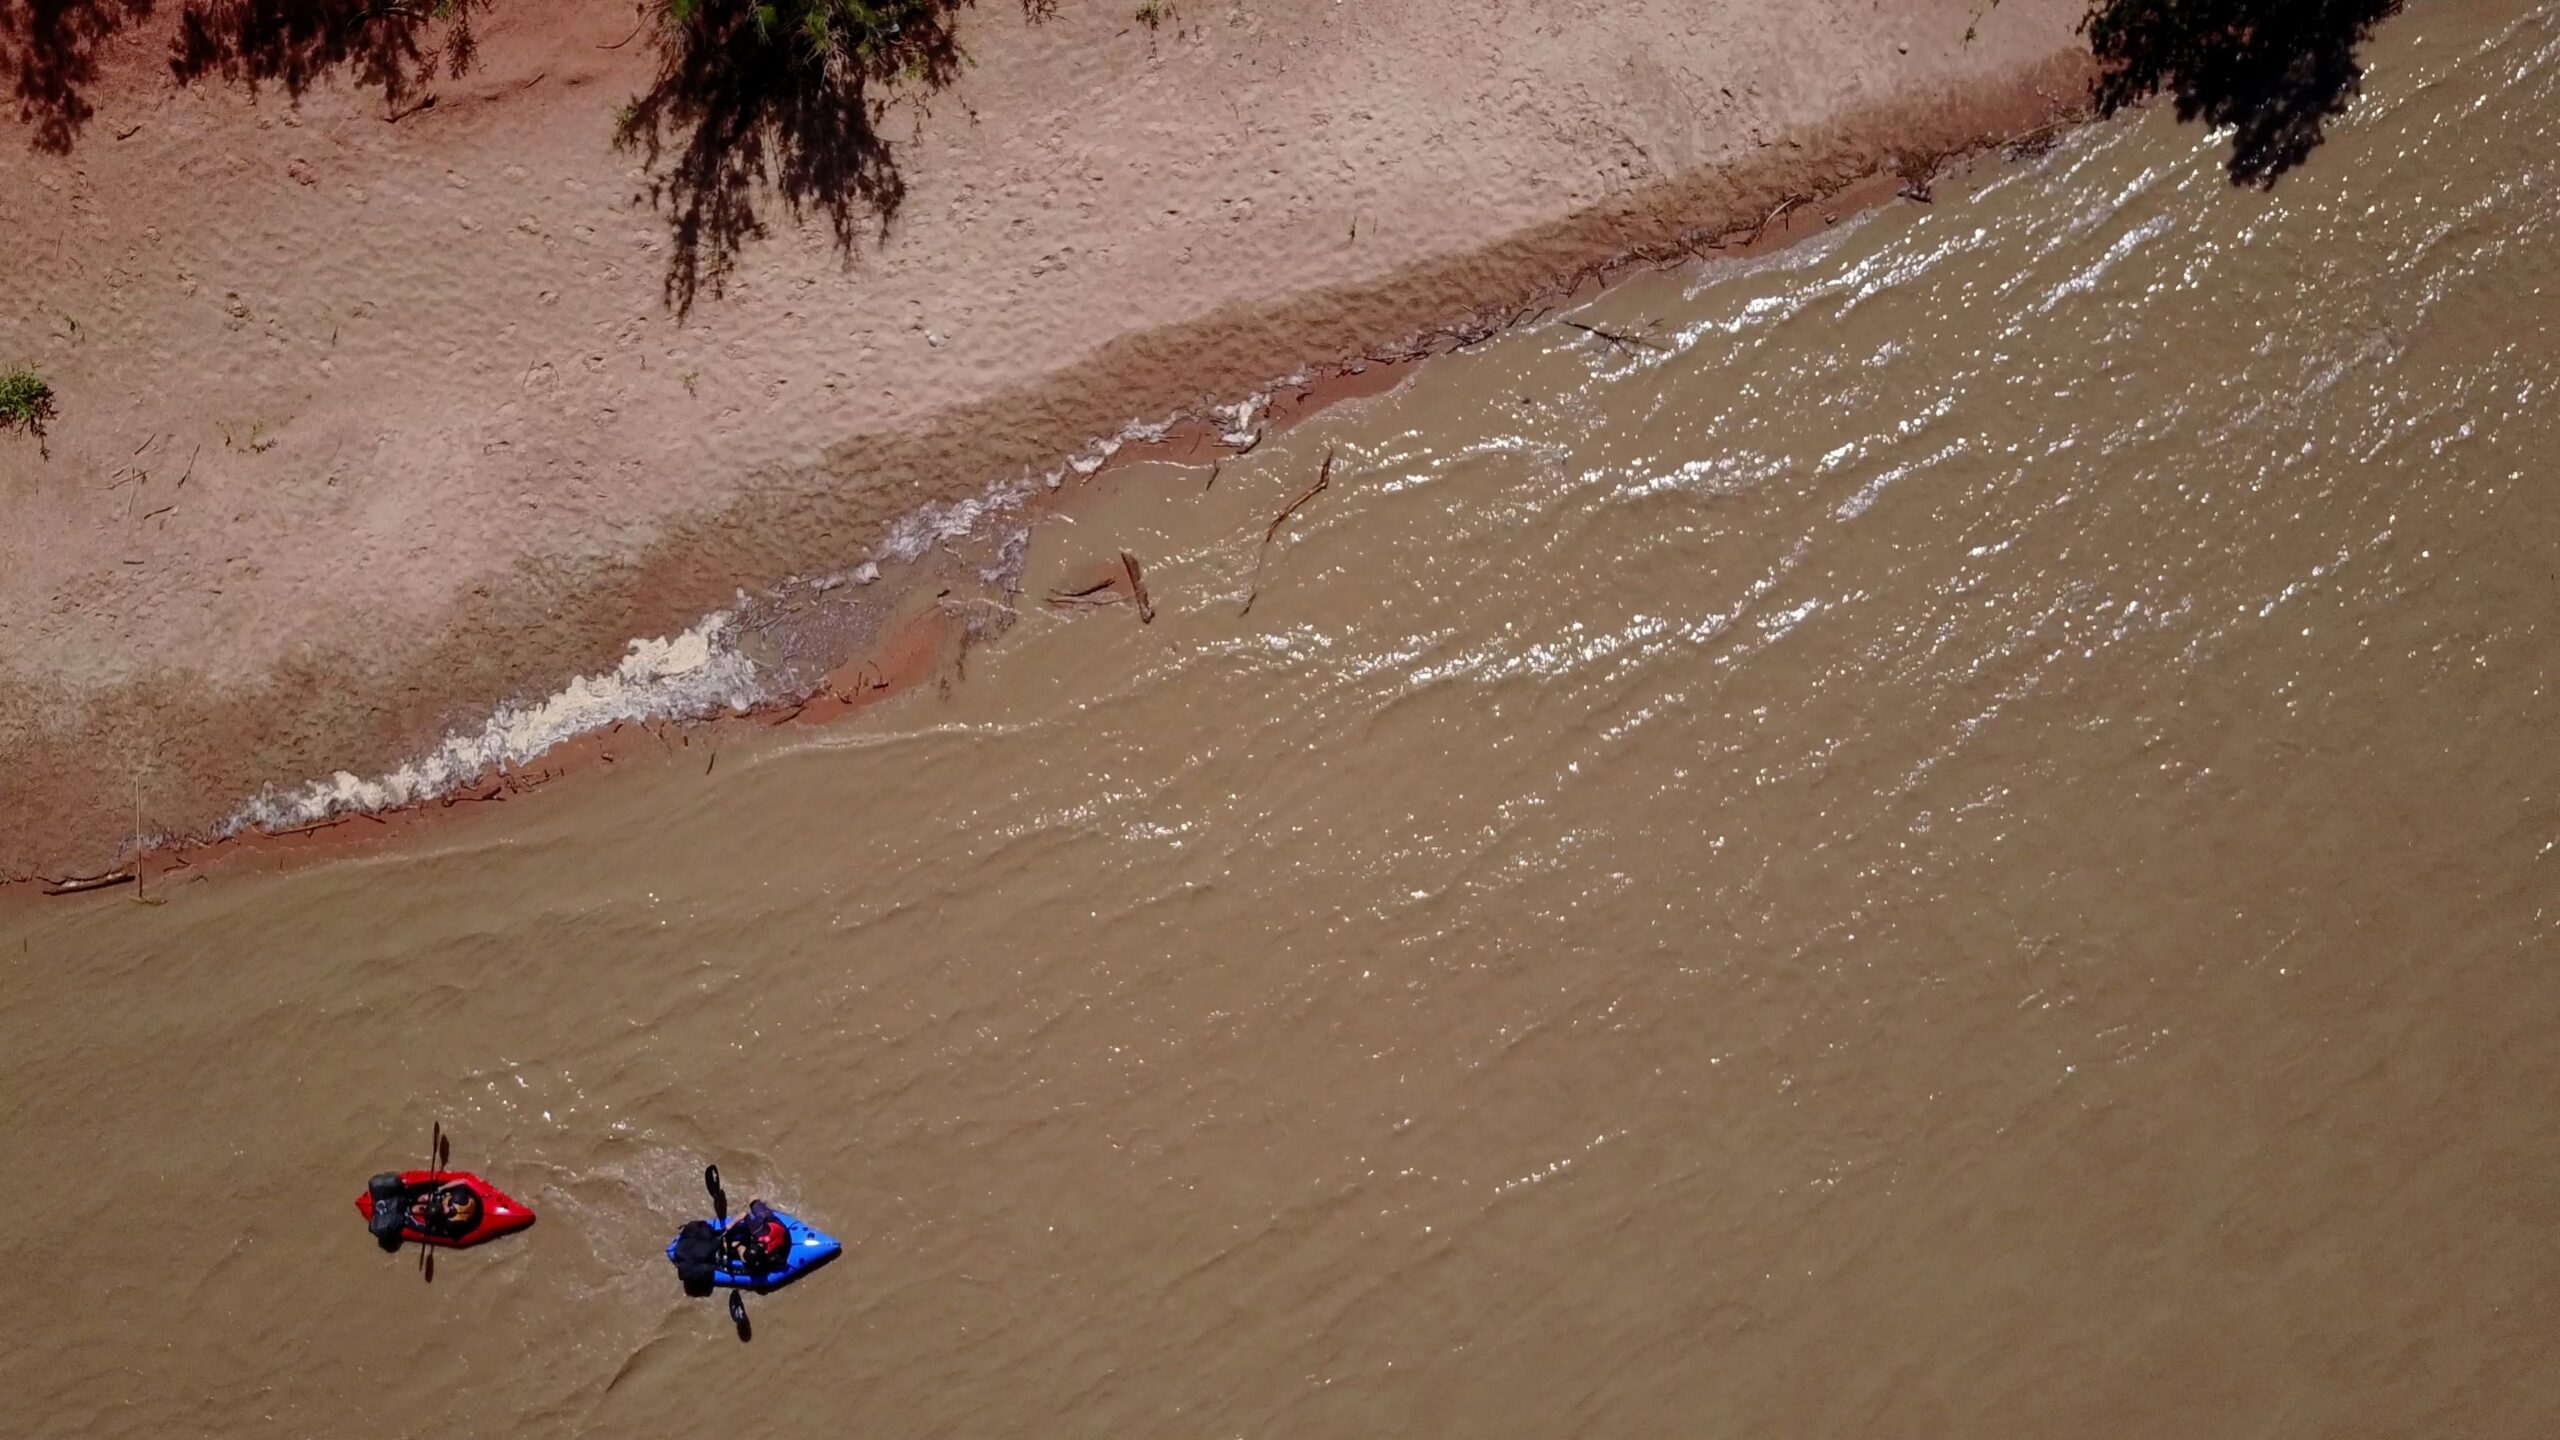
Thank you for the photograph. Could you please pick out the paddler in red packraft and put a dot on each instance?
(449, 1210)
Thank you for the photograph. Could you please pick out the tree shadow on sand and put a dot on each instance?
(393, 46)
(52, 48)
(756, 99)
(2274, 71)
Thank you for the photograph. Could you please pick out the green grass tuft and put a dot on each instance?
(26, 401)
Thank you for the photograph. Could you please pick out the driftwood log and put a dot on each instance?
(1138, 588)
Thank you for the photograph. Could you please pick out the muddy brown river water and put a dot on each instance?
(1965, 841)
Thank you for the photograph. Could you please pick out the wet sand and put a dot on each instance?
(368, 428)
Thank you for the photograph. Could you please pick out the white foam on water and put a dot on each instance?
(930, 524)
(689, 675)
(934, 522)
(1235, 422)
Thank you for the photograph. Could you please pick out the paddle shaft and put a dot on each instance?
(435, 1177)
(720, 1213)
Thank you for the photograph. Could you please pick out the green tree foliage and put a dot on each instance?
(2274, 71)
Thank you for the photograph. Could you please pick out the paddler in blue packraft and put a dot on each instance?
(758, 1242)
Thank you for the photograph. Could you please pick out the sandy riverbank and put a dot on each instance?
(368, 427)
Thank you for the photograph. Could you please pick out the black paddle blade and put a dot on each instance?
(719, 1197)
(444, 1152)
(738, 1315)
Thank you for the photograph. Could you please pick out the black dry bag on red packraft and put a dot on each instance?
(390, 1209)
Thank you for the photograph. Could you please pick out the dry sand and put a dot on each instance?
(368, 425)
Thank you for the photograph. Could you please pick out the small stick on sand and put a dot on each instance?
(1771, 219)
(1324, 477)
(1138, 587)
(82, 884)
(141, 856)
(640, 17)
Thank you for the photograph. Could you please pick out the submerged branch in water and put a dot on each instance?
(1623, 342)
(1105, 591)
(1324, 477)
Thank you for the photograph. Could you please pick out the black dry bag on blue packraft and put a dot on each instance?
(697, 1256)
